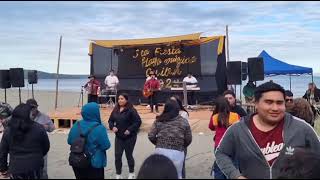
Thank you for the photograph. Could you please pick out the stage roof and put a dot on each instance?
(188, 39)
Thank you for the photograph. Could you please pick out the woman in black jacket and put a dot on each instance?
(125, 122)
(312, 95)
(27, 143)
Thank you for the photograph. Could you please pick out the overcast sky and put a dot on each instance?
(29, 31)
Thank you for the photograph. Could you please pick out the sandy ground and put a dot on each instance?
(46, 99)
(198, 164)
(69, 100)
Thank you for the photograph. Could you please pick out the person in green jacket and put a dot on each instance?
(248, 91)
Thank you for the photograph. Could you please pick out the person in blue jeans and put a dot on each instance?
(97, 142)
(216, 173)
(222, 118)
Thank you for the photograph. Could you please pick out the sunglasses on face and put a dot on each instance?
(287, 100)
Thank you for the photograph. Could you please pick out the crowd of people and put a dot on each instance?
(275, 141)
(25, 141)
(257, 146)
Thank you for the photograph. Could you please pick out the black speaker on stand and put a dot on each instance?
(234, 74)
(17, 79)
(32, 79)
(5, 82)
(244, 70)
(255, 69)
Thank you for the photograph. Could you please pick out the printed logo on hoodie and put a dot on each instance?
(270, 143)
(272, 151)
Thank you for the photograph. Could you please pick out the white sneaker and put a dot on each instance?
(118, 176)
(132, 176)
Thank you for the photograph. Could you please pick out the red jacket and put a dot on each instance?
(213, 125)
(152, 84)
(92, 87)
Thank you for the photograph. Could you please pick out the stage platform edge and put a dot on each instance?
(65, 118)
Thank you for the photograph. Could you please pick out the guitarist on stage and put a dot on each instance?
(150, 90)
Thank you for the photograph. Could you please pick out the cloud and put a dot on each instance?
(30, 31)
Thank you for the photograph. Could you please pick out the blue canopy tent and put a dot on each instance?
(273, 67)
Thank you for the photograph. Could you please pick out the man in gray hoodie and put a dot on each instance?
(260, 141)
(48, 125)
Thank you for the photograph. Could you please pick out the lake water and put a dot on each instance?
(299, 84)
(68, 85)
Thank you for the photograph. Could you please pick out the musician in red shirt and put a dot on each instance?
(92, 87)
(152, 86)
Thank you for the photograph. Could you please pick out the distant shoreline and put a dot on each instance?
(46, 75)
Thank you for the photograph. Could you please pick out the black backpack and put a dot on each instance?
(78, 158)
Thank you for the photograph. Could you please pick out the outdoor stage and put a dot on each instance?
(199, 118)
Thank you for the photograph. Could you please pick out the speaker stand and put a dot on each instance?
(19, 95)
(32, 91)
(5, 95)
(241, 93)
(81, 97)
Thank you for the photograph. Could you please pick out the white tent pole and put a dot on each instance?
(290, 81)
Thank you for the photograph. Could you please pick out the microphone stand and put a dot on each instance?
(81, 97)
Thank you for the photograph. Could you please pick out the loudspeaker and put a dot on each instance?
(5, 79)
(234, 72)
(244, 71)
(256, 69)
(116, 52)
(17, 77)
(33, 77)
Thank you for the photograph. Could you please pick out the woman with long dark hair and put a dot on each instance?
(171, 134)
(220, 122)
(27, 143)
(125, 122)
(183, 112)
(302, 109)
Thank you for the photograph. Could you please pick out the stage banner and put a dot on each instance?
(168, 61)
